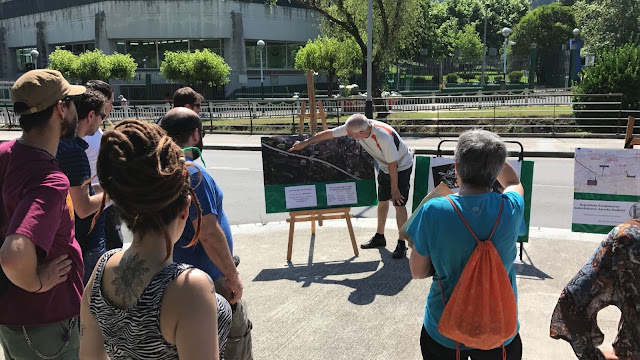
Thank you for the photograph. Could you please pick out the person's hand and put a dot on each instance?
(297, 146)
(234, 288)
(397, 197)
(53, 272)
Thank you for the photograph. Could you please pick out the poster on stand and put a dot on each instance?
(335, 173)
(606, 188)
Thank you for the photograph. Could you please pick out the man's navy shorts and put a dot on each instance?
(384, 185)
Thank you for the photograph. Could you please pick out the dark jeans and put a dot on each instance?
(432, 350)
(112, 226)
(90, 259)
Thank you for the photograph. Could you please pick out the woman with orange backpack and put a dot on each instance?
(467, 241)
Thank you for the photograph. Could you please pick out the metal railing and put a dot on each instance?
(546, 113)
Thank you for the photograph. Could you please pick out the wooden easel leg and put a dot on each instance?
(291, 228)
(347, 216)
(313, 227)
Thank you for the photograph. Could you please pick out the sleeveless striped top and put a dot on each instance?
(134, 333)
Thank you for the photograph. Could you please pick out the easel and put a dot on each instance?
(321, 214)
(313, 113)
(629, 139)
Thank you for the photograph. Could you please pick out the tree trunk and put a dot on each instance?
(331, 77)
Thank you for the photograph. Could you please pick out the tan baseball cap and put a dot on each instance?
(40, 89)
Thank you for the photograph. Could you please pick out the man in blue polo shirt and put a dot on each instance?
(75, 164)
(213, 252)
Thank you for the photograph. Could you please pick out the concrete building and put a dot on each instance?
(145, 29)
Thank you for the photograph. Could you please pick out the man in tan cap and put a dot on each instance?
(42, 269)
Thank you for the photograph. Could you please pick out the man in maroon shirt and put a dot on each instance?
(41, 260)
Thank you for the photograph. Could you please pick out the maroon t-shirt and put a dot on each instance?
(35, 202)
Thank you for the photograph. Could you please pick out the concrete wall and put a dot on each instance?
(108, 21)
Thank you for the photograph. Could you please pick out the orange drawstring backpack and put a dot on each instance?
(481, 312)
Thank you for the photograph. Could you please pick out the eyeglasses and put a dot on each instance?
(201, 132)
(102, 115)
(199, 106)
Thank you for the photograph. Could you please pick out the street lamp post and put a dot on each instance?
(261, 45)
(368, 108)
(34, 58)
(484, 46)
(505, 32)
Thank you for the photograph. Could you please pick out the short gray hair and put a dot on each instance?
(357, 122)
(480, 156)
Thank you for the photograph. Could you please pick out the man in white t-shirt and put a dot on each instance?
(113, 224)
(384, 144)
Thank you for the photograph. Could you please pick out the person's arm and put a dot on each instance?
(91, 339)
(396, 197)
(509, 179)
(574, 318)
(197, 325)
(321, 136)
(84, 204)
(20, 263)
(420, 265)
(215, 245)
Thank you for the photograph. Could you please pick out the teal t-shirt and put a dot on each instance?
(438, 232)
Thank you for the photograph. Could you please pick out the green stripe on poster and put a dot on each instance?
(526, 178)
(420, 180)
(275, 200)
(605, 197)
(588, 228)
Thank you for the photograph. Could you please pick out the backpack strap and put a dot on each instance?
(467, 224)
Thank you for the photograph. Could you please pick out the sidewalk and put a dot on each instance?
(328, 304)
(533, 147)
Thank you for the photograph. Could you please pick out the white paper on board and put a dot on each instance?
(341, 194)
(302, 196)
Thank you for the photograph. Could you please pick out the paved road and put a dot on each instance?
(239, 174)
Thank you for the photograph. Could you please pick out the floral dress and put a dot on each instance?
(611, 277)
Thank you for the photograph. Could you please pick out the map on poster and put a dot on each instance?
(606, 188)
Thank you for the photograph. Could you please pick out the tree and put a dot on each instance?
(122, 66)
(469, 44)
(199, 67)
(616, 71)
(549, 27)
(63, 61)
(606, 24)
(93, 65)
(331, 55)
(393, 21)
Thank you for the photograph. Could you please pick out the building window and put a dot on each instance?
(77, 49)
(121, 47)
(171, 45)
(276, 54)
(24, 59)
(292, 51)
(215, 45)
(144, 52)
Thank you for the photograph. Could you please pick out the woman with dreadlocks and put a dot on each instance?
(138, 304)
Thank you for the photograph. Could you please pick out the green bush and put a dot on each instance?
(515, 76)
(497, 79)
(452, 78)
(615, 71)
(468, 76)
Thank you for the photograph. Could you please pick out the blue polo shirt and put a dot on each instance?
(438, 232)
(210, 197)
(75, 164)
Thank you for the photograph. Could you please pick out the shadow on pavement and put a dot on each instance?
(388, 280)
(527, 269)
